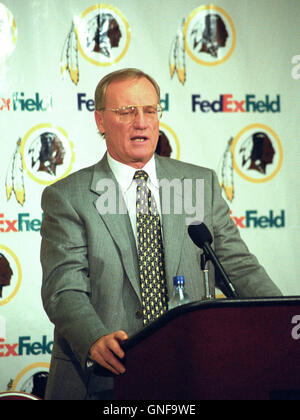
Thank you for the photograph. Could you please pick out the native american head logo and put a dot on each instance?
(5, 273)
(31, 380)
(163, 147)
(207, 35)
(35, 384)
(255, 154)
(10, 274)
(168, 142)
(101, 34)
(45, 154)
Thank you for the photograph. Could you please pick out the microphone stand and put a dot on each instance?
(203, 262)
(230, 291)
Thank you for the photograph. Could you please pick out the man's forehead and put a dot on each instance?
(128, 90)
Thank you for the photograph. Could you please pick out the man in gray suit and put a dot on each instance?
(91, 280)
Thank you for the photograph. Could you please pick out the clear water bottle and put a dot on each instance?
(179, 296)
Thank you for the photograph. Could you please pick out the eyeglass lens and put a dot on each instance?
(129, 113)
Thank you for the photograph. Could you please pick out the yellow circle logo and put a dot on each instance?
(47, 153)
(10, 275)
(103, 34)
(257, 153)
(209, 35)
(32, 379)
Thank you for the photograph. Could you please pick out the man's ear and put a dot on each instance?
(99, 121)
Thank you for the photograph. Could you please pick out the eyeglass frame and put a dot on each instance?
(116, 110)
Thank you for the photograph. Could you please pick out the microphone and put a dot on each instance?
(201, 236)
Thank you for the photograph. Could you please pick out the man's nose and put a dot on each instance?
(140, 120)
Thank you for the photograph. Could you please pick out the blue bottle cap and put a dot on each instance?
(178, 280)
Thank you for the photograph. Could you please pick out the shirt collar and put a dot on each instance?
(124, 173)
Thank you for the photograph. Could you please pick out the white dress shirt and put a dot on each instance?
(124, 175)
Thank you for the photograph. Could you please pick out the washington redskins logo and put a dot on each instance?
(32, 380)
(10, 274)
(45, 154)
(255, 154)
(101, 35)
(207, 35)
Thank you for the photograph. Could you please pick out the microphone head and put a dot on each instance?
(199, 234)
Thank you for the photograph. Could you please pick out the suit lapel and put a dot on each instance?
(117, 222)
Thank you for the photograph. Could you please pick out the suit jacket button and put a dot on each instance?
(138, 315)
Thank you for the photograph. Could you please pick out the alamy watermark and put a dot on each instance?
(295, 73)
(296, 329)
(185, 197)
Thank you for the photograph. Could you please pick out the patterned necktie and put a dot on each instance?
(150, 252)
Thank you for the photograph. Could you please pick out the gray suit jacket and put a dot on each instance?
(90, 275)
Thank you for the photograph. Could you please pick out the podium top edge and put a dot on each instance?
(207, 304)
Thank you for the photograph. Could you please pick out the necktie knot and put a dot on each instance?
(141, 175)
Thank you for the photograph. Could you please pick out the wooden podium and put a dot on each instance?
(220, 349)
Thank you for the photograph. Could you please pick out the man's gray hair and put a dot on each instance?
(124, 74)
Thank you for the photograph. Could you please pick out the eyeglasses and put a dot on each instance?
(128, 113)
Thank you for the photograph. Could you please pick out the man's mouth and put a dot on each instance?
(139, 139)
